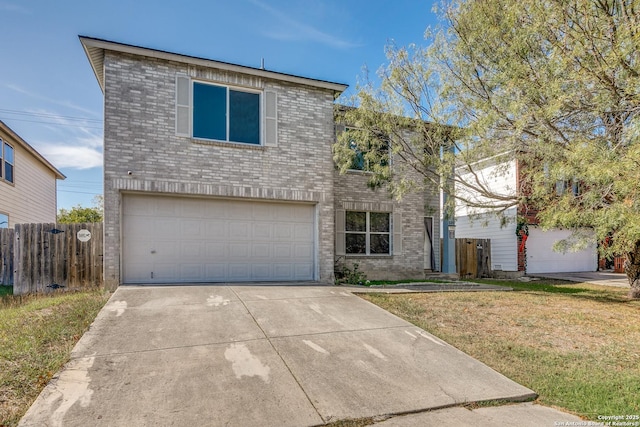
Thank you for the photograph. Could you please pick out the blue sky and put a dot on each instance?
(50, 97)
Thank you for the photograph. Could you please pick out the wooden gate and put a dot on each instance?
(52, 256)
(473, 258)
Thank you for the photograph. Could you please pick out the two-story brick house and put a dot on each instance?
(216, 172)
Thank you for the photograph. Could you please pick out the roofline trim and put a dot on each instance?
(89, 43)
(30, 149)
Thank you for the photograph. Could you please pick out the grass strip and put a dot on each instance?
(576, 345)
(37, 334)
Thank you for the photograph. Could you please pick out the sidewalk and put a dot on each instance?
(604, 278)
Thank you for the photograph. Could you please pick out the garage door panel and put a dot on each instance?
(192, 208)
(302, 251)
(216, 229)
(282, 251)
(191, 272)
(239, 211)
(260, 250)
(139, 224)
(192, 250)
(216, 250)
(239, 229)
(282, 232)
(166, 271)
(139, 271)
(283, 271)
(191, 228)
(262, 231)
(162, 209)
(303, 270)
(302, 232)
(165, 250)
(200, 240)
(259, 271)
(139, 206)
(239, 272)
(239, 250)
(216, 272)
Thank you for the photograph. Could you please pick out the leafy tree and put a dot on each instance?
(553, 83)
(79, 214)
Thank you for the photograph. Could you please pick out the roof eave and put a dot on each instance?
(31, 150)
(95, 48)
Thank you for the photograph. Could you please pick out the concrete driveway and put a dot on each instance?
(234, 355)
(604, 278)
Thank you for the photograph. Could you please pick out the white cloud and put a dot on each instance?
(71, 156)
(70, 142)
(296, 30)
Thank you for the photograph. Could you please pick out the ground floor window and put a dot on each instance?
(368, 233)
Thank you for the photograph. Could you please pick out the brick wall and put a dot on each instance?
(140, 137)
(352, 193)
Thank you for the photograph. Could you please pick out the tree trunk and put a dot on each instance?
(632, 268)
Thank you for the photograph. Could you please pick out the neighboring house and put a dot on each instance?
(216, 172)
(513, 252)
(28, 182)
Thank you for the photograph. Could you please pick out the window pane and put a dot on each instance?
(209, 111)
(379, 222)
(244, 117)
(8, 172)
(356, 243)
(4, 221)
(356, 221)
(8, 153)
(379, 243)
(358, 160)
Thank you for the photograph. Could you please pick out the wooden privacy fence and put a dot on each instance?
(51, 256)
(473, 258)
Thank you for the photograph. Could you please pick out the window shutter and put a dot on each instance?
(183, 105)
(397, 233)
(340, 236)
(270, 118)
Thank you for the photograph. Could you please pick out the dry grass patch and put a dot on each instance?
(578, 346)
(37, 334)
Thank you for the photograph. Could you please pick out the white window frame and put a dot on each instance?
(368, 233)
(268, 106)
(228, 89)
(3, 162)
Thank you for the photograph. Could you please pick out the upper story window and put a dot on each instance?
(224, 114)
(362, 162)
(221, 113)
(7, 162)
(4, 221)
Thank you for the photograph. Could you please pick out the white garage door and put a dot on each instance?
(174, 240)
(541, 258)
